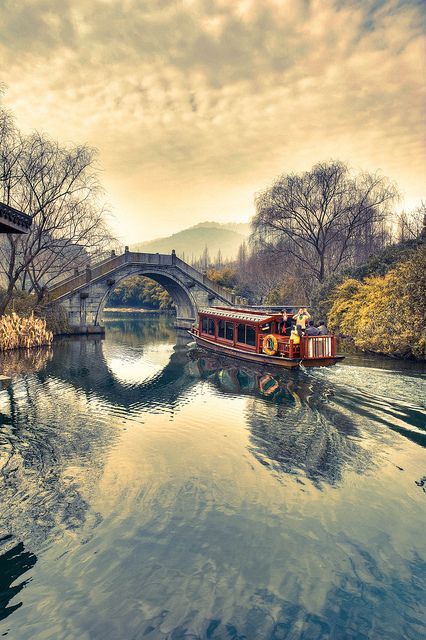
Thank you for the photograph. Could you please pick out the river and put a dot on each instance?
(148, 491)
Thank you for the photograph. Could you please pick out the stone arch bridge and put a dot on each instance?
(85, 295)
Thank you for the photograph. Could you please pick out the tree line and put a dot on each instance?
(138, 291)
(310, 233)
(310, 227)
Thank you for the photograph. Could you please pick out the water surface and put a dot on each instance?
(151, 493)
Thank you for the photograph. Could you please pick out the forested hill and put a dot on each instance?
(191, 243)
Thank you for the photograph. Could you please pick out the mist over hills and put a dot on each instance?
(190, 243)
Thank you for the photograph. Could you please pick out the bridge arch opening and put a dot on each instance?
(181, 296)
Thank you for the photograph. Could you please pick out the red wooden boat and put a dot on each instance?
(254, 336)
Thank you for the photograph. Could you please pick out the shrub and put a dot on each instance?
(225, 277)
(24, 304)
(321, 296)
(386, 313)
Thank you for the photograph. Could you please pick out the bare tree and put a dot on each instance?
(59, 188)
(205, 258)
(410, 225)
(262, 272)
(242, 255)
(323, 217)
(6, 122)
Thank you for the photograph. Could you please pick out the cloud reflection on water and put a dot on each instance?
(219, 501)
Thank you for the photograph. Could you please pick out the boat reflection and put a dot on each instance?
(280, 386)
(295, 426)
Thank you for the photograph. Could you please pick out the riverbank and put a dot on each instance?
(133, 310)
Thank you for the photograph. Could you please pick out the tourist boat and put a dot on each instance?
(254, 336)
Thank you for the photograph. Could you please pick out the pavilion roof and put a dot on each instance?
(12, 220)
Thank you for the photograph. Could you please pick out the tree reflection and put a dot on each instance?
(137, 329)
(19, 361)
(15, 561)
(51, 440)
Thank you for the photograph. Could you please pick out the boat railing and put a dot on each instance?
(310, 347)
(286, 347)
(318, 346)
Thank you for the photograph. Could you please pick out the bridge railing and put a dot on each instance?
(92, 272)
(160, 259)
(88, 274)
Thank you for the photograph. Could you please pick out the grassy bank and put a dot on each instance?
(26, 305)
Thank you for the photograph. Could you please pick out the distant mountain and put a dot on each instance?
(190, 243)
(239, 227)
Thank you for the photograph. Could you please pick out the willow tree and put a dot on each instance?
(324, 218)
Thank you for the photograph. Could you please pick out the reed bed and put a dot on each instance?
(23, 333)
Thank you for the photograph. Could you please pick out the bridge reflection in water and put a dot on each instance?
(217, 499)
(294, 427)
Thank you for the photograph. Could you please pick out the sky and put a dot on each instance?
(196, 105)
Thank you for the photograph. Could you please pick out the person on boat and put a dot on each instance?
(301, 318)
(322, 329)
(285, 324)
(295, 334)
(311, 329)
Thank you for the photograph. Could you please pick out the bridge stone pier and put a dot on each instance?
(85, 295)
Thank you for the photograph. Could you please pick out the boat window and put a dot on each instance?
(251, 336)
(211, 327)
(241, 333)
(246, 335)
(265, 327)
(204, 325)
(221, 329)
(230, 331)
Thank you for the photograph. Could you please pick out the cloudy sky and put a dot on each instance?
(195, 105)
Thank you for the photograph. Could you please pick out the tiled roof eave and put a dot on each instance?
(10, 215)
(236, 315)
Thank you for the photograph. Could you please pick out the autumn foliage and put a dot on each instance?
(385, 314)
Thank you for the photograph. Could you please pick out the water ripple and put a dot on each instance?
(148, 492)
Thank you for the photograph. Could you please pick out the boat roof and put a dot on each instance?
(238, 314)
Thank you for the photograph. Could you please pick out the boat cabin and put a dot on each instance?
(258, 332)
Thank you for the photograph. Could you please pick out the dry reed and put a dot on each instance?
(17, 332)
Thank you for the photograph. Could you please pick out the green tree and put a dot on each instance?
(139, 291)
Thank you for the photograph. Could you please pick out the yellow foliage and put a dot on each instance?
(16, 332)
(226, 277)
(385, 314)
